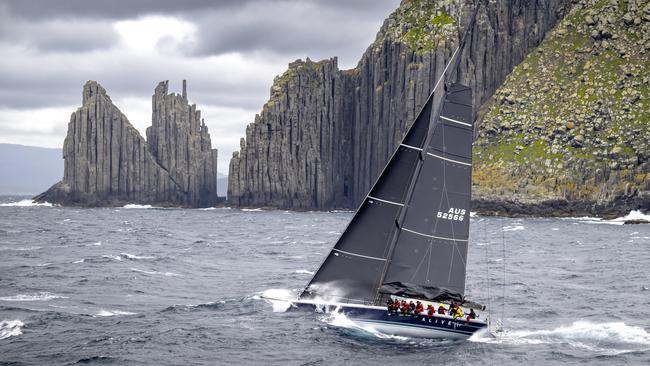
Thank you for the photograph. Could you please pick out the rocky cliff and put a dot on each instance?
(107, 162)
(568, 131)
(325, 134)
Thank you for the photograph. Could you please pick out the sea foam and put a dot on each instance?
(11, 328)
(40, 296)
(103, 312)
(607, 338)
(26, 203)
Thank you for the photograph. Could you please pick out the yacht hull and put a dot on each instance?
(413, 326)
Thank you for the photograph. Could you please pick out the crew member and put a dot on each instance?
(389, 305)
(441, 309)
(411, 307)
(430, 311)
(456, 311)
(471, 315)
(396, 306)
(419, 308)
(405, 307)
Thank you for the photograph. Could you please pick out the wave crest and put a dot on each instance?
(608, 338)
(11, 328)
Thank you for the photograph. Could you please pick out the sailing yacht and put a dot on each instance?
(409, 238)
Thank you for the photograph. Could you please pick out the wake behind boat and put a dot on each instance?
(407, 243)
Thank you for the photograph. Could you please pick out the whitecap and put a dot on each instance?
(40, 296)
(632, 216)
(103, 312)
(11, 328)
(280, 299)
(607, 338)
(304, 271)
(167, 274)
(132, 205)
(514, 228)
(251, 209)
(114, 257)
(135, 257)
(80, 260)
(26, 203)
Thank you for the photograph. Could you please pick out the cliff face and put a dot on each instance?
(180, 142)
(107, 162)
(325, 134)
(568, 131)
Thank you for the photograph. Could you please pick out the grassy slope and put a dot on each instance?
(572, 121)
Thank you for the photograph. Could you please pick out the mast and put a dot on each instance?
(437, 103)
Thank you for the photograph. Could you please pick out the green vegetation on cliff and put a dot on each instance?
(420, 24)
(571, 121)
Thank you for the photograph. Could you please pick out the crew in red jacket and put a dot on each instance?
(430, 311)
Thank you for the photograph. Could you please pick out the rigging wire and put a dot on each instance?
(503, 260)
(487, 268)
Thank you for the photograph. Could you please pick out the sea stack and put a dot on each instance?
(108, 163)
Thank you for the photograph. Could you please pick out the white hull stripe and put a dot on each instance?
(451, 160)
(390, 202)
(427, 327)
(431, 236)
(455, 121)
(411, 147)
(358, 255)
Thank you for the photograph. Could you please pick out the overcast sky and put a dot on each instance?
(229, 52)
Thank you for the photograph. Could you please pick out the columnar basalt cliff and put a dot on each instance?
(107, 162)
(325, 134)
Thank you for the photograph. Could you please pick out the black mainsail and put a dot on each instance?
(410, 234)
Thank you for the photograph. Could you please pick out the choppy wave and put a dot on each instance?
(40, 296)
(209, 305)
(135, 257)
(514, 228)
(26, 203)
(606, 338)
(280, 299)
(340, 320)
(251, 209)
(304, 271)
(103, 312)
(132, 205)
(11, 328)
(633, 215)
(167, 274)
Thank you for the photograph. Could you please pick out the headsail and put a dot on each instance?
(354, 267)
(410, 233)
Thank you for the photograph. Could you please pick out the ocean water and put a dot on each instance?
(147, 286)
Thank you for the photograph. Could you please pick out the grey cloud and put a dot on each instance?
(308, 28)
(77, 35)
(128, 9)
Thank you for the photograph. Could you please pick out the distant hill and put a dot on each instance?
(28, 169)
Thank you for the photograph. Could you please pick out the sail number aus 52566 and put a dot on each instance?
(455, 214)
